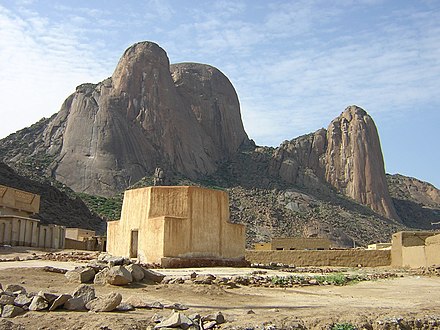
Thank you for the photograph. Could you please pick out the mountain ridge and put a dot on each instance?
(185, 118)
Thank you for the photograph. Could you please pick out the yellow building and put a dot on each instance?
(16, 226)
(175, 226)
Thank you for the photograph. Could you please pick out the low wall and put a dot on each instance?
(336, 258)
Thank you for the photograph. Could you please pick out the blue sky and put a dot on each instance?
(295, 65)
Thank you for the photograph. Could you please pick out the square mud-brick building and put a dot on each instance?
(177, 227)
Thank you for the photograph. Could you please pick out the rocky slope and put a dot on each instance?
(417, 202)
(56, 207)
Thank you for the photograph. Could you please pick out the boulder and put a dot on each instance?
(6, 299)
(175, 320)
(12, 311)
(119, 275)
(15, 288)
(75, 304)
(136, 271)
(60, 301)
(152, 276)
(80, 275)
(38, 304)
(80, 297)
(101, 277)
(49, 297)
(105, 303)
(136, 302)
(22, 300)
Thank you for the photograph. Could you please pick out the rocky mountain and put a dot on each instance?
(185, 118)
(147, 114)
(416, 201)
(56, 206)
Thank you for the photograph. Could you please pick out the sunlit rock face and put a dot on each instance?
(109, 135)
(347, 156)
(354, 161)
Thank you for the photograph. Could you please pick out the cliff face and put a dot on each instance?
(110, 135)
(347, 156)
(354, 162)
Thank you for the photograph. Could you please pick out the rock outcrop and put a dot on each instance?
(347, 156)
(354, 162)
(110, 135)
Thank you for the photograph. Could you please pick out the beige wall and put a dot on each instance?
(432, 249)
(28, 232)
(415, 249)
(18, 202)
(79, 234)
(336, 258)
(182, 222)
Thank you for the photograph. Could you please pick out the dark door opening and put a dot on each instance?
(134, 244)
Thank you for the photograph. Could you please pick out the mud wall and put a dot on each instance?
(337, 258)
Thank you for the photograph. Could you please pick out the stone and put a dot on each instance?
(175, 320)
(204, 279)
(105, 303)
(137, 302)
(84, 291)
(60, 301)
(80, 297)
(38, 303)
(156, 304)
(152, 276)
(80, 275)
(75, 304)
(157, 318)
(6, 299)
(118, 275)
(217, 317)
(209, 325)
(125, 307)
(11, 311)
(49, 297)
(15, 288)
(136, 272)
(22, 300)
(176, 306)
(101, 277)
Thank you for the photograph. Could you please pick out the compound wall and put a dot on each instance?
(336, 258)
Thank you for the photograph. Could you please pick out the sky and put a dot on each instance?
(296, 65)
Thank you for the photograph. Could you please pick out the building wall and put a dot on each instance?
(432, 250)
(79, 234)
(182, 222)
(415, 249)
(28, 232)
(18, 202)
(335, 258)
(263, 246)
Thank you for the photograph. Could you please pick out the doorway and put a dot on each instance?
(134, 244)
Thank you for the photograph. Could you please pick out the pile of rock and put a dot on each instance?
(178, 320)
(14, 300)
(78, 256)
(112, 270)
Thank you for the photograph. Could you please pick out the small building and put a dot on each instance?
(415, 249)
(79, 234)
(177, 227)
(295, 243)
(379, 246)
(16, 226)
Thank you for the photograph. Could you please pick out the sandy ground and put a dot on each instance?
(314, 306)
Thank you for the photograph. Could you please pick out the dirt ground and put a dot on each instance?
(314, 307)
